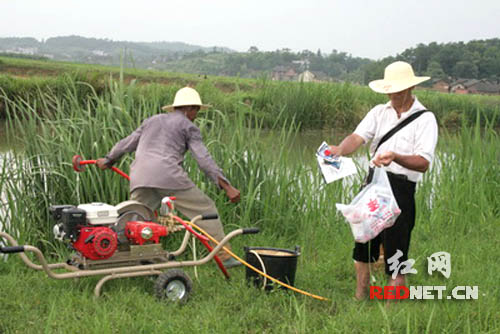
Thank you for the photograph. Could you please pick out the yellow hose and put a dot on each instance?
(255, 269)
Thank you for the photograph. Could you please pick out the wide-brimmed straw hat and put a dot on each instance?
(186, 96)
(398, 76)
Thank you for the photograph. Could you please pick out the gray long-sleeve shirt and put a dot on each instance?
(160, 144)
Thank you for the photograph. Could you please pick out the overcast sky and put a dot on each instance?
(370, 28)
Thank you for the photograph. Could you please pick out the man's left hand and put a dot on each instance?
(233, 194)
(384, 159)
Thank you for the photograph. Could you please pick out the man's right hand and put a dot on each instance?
(349, 145)
(334, 150)
(102, 163)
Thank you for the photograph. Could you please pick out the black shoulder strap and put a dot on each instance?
(398, 127)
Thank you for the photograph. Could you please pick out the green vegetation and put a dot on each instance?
(176, 56)
(310, 105)
(477, 59)
(282, 193)
(99, 51)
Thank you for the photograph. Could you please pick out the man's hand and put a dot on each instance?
(334, 150)
(231, 192)
(349, 145)
(102, 163)
(413, 162)
(384, 158)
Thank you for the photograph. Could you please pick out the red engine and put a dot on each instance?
(140, 232)
(95, 231)
(96, 243)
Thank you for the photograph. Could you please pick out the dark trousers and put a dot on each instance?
(398, 235)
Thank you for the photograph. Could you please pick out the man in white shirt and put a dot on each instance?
(406, 155)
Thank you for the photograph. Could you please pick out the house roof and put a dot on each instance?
(487, 87)
(482, 86)
(434, 81)
(280, 68)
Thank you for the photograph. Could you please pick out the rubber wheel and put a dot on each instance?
(173, 286)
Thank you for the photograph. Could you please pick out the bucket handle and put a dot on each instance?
(262, 266)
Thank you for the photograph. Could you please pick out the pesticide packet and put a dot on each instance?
(324, 153)
(332, 167)
(373, 209)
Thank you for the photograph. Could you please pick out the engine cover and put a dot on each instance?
(96, 243)
(140, 232)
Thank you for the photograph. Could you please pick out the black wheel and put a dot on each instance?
(173, 286)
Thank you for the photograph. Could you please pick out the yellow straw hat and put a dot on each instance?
(186, 96)
(398, 76)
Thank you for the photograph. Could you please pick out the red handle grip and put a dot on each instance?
(78, 166)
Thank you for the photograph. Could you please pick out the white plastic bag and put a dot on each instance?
(373, 209)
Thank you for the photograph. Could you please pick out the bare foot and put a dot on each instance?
(360, 295)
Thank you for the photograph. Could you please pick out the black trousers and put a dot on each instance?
(396, 237)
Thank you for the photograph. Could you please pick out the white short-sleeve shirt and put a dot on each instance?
(417, 138)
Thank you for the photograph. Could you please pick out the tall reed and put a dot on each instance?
(311, 105)
(273, 190)
(458, 212)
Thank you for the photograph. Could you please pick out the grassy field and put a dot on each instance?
(310, 105)
(282, 194)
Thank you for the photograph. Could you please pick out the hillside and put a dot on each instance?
(478, 59)
(102, 51)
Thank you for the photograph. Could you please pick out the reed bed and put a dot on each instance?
(310, 105)
(274, 191)
(282, 193)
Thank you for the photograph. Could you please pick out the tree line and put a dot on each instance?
(478, 59)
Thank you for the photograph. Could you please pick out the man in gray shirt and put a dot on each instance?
(160, 144)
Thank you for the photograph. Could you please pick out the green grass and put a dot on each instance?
(282, 194)
(311, 105)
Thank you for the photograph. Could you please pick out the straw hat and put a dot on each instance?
(186, 96)
(398, 76)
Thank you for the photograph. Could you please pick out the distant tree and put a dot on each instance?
(253, 49)
(435, 71)
(490, 63)
(420, 56)
(307, 54)
(448, 56)
(375, 70)
(465, 69)
(475, 59)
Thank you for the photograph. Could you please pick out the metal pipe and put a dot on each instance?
(114, 271)
(183, 246)
(29, 263)
(97, 290)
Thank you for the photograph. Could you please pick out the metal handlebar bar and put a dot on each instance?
(12, 249)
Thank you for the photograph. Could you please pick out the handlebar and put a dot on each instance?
(12, 249)
(79, 166)
(251, 230)
(209, 216)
